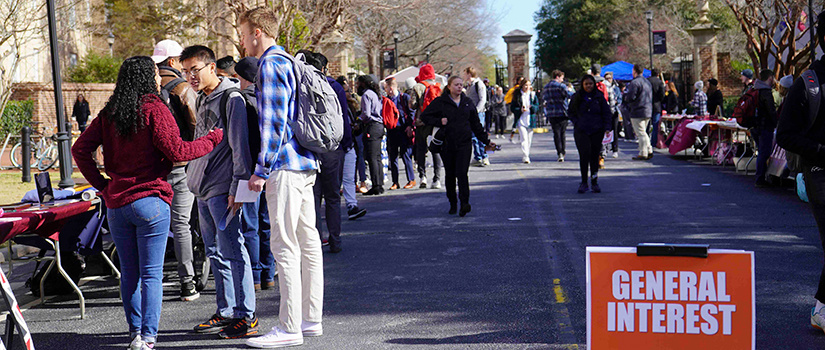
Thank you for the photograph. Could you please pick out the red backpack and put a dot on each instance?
(389, 113)
(430, 94)
(745, 109)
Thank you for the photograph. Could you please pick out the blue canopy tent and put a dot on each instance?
(622, 70)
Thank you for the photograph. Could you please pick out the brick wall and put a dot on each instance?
(517, 62)
(729, 81)
(44, 106)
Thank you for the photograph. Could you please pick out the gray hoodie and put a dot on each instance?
(218, 172)
(479, 97)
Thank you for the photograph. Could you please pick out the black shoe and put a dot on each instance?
(239, 328)
(762, 183)
(465, 208)
(355, 212)
(595, 187)
(188, 291)
(267, 285)
(335, 249)
(583, 187)
(650, 156)
(214, 325)
(453, 209)
(374, 191)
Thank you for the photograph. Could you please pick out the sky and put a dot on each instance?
(515, 14)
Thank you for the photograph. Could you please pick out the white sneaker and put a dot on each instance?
(561, 158)
(526, 160)
(137, 343)
(436, 185)
(615, 154)
(486, 161)
(276, 338)
(817, 319)
(312, 329)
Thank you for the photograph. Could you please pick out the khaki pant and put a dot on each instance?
(296, 246)
(640, 129)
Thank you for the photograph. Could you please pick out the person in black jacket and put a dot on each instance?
(762, 132)
(592, 119)
(457, 114)
(658, 88)
(671, 104)
(81, 112)
(715, 98)
(802, 132)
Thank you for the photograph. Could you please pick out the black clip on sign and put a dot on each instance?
(662, 249)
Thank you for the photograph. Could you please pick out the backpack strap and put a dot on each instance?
(167, 89)
(814, 90)
(225, 99)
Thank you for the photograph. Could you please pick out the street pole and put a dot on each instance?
(395, 36)
(428, 56)
(63, 138)
(649, 16)
(811, 29)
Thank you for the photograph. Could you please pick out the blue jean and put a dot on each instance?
(654, 135)
(255, 228)
(234, 289)
(139, 230)
(479, 152)
(764, 144)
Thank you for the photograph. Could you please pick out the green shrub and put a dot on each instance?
(16, 115)
(94, 68)
(728, 104)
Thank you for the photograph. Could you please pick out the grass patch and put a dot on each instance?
(12, 188)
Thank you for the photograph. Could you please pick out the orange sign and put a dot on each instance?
(670, 302)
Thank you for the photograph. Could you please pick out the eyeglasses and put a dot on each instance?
(192, 73)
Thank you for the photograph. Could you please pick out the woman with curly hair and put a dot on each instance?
(140, 142)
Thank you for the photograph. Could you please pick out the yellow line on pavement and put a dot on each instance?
(560, 297)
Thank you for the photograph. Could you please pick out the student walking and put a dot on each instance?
(525, 105)
(398, 138)
(592, 120)
(457, 114)
(423, 93)
(639, 106)
(80, 112)
(499, 111)
(140, 142)
(556, 98)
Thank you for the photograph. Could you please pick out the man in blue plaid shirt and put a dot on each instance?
(556, 96)
(288, 170)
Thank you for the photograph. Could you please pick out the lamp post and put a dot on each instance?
(111, 40)
(64, 137)
(395, 36)
(616, 42)
(649, 17)
(428, 56)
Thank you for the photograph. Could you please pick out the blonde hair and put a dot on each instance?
(262, 18)
(471, 71)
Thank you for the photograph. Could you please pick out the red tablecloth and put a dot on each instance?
(44, 223)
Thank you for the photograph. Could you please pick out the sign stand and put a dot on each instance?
(15, 317)
(670, 296)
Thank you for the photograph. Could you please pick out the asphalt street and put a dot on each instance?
(509, 275)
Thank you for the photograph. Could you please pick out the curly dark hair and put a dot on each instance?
(135, 83)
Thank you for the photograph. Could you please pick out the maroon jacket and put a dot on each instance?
(138, 164)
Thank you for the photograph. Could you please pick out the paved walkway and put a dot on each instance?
(510, 275)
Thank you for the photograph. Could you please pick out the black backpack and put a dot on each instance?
(177, 108)
(251, 118)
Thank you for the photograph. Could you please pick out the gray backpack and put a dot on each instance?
(317, 125)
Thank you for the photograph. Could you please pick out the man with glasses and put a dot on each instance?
(214, 181)
(181, 100)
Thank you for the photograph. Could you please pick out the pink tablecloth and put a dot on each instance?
(45, 223)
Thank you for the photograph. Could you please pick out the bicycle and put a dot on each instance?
(44, 153)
